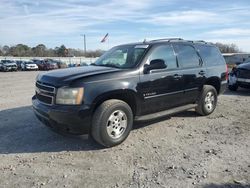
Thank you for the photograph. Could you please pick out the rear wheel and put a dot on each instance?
(112, 122)
(207, 101)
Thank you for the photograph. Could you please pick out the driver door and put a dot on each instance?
(161, 89)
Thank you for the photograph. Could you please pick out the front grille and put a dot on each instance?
(242, 73)
(45, 93)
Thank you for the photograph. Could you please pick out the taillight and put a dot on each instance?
(227, 73)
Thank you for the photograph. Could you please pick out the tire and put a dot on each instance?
(207, 101)
(112, 122)
(233, 87)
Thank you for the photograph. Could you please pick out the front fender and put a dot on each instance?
(126, 89)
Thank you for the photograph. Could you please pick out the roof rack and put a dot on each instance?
(181, 40)
(166, 39)
(197, 41)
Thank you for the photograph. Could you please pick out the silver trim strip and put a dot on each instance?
(170, 93)
(54, 89)
(243, 80)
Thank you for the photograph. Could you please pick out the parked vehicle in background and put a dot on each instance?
(59, 63)
(19, 62)
(51, 64)
(139, 81)
(233, 59)
(30, 65)
(45, 64)
(239, 77)
(83, 64)
(247, 60)
(40, 63)
(8, 65)
(72, 65)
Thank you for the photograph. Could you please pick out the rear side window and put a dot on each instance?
(166, 53)
(187, 56)
(210, 55)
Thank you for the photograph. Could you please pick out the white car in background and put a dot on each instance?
(29, 66)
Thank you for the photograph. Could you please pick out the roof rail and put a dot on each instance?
(181, 40)
(166, 39)
(197, 41)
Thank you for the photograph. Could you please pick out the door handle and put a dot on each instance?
(202, 72)
(177, 76)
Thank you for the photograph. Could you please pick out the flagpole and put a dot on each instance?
(106, 39)
(108, 44)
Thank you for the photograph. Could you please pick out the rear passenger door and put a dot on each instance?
(192, 70)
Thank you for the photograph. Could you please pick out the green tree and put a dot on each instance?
(61, 51)
(40, 50)
(20, 50)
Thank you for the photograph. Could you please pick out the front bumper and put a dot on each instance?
(61, 118)
(31, 68)
(243, 82)
(10, 69)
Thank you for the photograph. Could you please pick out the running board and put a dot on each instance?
(165, 112)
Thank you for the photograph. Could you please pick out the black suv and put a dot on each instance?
(138, 81)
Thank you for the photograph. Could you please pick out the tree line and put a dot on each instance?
(22, 50)
(228, 48)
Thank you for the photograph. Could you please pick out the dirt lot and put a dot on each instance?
(184, 150)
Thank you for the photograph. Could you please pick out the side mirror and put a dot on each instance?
(155, 64)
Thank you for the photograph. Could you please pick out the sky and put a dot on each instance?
(56, 22)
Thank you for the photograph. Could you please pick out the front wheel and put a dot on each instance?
(112, 122)
(207, 101)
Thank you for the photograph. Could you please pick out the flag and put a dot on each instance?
(105, 38)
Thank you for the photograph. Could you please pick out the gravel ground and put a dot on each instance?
(184, 150)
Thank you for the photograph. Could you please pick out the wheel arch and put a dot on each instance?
(126, 95)
(215, 82)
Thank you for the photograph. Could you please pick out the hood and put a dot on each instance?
(10, 64)
(245, 66)
(63, 77)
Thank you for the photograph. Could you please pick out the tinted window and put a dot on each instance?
(187, 56)
(165, 53)
(210, 55)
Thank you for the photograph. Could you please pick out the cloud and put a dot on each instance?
(184, 17)
(52, 21)
(230, 32)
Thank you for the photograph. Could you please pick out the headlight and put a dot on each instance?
(69, 96)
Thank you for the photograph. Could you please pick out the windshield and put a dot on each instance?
(6, 61)
(122, 56)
